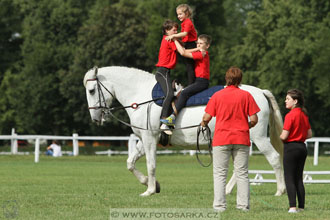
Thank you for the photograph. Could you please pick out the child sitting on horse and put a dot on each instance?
(167, 59)
(202, 72)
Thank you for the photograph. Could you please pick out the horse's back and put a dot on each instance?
(193, 116)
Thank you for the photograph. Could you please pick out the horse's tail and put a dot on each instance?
(275, 123)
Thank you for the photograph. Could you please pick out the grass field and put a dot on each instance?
(86, 187)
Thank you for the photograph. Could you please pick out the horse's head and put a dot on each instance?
(99, 97)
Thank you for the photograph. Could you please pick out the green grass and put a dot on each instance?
(86, 187)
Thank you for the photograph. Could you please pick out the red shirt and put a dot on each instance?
(167, 54)
(231, 106)
(297, 123)
(202, 65)
(188, 26)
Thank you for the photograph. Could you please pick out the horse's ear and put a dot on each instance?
(95, 71)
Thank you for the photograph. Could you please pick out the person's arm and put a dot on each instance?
(206, 119)
(182, 50)
(309, 133)
(284, 135)
(192, 50)
(178, 35)
(253, 120)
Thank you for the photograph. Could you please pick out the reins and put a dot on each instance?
(108, 111)
(206, 131)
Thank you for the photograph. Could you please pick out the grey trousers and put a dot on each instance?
(221, 156)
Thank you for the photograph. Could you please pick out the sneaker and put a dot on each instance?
(243, 209)
(219, 209)
(292, 210)
(166, 129)
(168, 121)
(300, 210)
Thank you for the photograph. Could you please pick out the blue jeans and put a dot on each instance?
(49, 152)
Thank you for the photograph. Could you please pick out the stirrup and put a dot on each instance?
(167, 130)
(168, 121)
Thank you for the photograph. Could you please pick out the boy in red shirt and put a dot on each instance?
(201, 59)
(232, 108)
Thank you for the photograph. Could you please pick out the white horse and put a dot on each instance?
(130, 85)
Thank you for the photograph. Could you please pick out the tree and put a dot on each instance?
(10, 40)
(49, 33)
(114, 34)
(280, 51)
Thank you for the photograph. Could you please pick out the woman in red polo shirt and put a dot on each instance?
(232, 107)
(296, 130)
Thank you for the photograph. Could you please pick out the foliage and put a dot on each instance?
(10, 39)
(48, 46)
(281, 50)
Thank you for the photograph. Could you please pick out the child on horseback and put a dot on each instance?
(200, 56)
(167, 59)
(189, 36)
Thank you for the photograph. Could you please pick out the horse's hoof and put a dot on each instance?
(146, 193)
(157, 187)
(279, 193)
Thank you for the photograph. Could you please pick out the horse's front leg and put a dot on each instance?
(134, 156)
(150, 147)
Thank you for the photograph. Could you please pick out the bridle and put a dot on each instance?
(107, 110)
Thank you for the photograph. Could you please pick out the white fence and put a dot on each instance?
(307, 178)
(131, 143)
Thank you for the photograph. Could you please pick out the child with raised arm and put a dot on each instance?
(167, 59)
(188, 35)
(202, 72)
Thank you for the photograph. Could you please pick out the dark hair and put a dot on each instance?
(233, 76)
(168, 25)
(298, 95)
(205, 38)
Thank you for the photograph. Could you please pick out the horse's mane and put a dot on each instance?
(142, 75)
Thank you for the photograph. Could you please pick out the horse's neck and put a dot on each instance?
(130, 85)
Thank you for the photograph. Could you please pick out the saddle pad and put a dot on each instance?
(200, 98)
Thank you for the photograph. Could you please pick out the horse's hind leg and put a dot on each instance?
(274, 160)
(231, 184)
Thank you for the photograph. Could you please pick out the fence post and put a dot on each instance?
(75, 144)
(37, 150)
(251, 148)
(131, 143)
(13, 142)
(316, 153)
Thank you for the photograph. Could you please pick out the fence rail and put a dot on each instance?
(132, 139)
(307, 178)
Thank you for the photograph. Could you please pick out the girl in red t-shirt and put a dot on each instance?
(296, 130)
(188, 35)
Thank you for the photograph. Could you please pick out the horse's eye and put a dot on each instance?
(92, 91)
